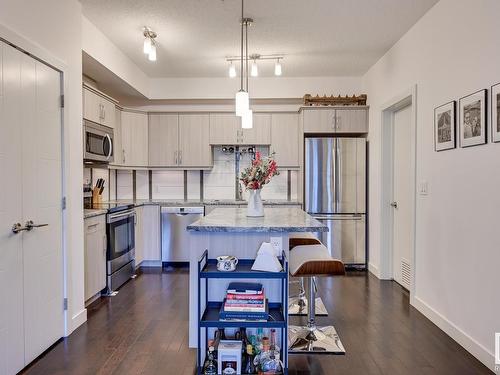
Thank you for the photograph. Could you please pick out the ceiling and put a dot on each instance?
(318, 37)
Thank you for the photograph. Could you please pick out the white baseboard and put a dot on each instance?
(467, 342)
(77, 320)
(374, 270)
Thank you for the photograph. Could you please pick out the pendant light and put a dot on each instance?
(242, 99)
(254, 72)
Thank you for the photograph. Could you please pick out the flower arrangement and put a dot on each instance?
(260, 172)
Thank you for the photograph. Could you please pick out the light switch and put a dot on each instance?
(423, 188)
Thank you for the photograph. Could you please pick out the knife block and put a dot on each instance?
(96, 197)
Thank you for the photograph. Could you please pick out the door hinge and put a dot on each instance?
(65, 304)
(62, 101)
(64, 203)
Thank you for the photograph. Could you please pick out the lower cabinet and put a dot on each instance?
(147, 236)
(95, 255)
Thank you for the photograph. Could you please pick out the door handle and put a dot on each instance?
(394, 204)
(30, 225)
(17, 227)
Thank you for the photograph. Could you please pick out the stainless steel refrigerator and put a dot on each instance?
(335, 194)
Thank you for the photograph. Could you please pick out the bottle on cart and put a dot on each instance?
(249, 367)
(242, 336)
(210, 343)
(268, 360)
(211, 365)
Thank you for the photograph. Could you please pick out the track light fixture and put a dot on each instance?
(149, 47)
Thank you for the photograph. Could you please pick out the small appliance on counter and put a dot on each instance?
(120, 254)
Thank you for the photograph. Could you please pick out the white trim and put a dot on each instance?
(462, 338)
(374, 270)
(151, 263)
(76, 321)
(408, 97)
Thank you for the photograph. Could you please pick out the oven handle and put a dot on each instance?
(115, 217)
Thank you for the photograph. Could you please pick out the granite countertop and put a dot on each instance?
(184, 203)
(207, 202)
(287, 219)
(88, 213)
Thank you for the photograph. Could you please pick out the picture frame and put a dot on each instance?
(445, 126)
(473, 119)
(495, 112)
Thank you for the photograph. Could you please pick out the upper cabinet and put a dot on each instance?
(134, 137)
(342, 120)
(179, 140)
(225, 129)
(98, 109)
(285, 139)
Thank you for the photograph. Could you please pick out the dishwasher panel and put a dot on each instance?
(174, 237)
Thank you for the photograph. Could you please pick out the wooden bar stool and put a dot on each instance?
(310, 261)
(297, 305)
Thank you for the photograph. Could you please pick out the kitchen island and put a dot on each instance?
(229, 231)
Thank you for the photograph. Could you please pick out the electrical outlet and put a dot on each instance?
(277, 244)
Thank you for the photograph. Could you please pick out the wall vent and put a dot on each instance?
(405, 273)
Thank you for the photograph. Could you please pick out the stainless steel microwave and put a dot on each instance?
(97, 143)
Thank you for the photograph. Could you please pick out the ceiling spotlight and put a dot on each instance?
(254, 72)
(149, 47)
(277, 68)
(232, 70)
(152, 53)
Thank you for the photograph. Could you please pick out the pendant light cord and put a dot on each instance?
(246, 51)
(241, 67)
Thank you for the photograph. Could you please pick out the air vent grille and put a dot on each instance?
(405, 273)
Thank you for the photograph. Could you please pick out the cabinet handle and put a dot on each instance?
(105, 244)
(180, 157)
(123, 156)
(334, 122)
(176, 160)
(103, 112)
(338, 122)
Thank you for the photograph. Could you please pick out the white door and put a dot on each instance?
(402, 199)
(11, 251)
(30, 128)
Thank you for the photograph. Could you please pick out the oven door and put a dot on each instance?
(98, 143)
(121, 239)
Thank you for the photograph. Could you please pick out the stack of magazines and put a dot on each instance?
(245, 301)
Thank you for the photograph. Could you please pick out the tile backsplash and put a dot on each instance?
(218, 183)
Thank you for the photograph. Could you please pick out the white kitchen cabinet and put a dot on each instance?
(179, 140)
(345, 120)
(194, 147)
(285, 139)
(260, 133)
(225, 129)
(163, 140)
(147, 235)
(97, 108)
(117, 140)
(134, 130)
(95, 255)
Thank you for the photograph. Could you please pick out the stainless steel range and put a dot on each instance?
(120, 255)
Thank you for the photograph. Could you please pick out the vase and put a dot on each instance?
(255, 207)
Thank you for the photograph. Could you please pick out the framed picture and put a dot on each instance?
(444, 126)
(473, 119)
(495, 112)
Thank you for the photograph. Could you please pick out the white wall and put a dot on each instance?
(97, 45)
(51, 30)
(451, 52)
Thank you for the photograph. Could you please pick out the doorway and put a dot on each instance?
(31, 260)
(398, 193)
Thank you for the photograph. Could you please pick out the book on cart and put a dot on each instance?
(244, 315)
(245, 289)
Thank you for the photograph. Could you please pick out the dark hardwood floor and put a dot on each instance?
(144, 330)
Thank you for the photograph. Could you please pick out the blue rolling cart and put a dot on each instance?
(209, 317)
